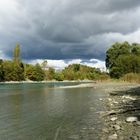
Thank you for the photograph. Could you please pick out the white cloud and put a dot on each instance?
(61, 64)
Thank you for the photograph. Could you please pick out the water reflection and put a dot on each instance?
(49, 113)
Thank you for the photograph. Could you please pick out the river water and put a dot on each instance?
(46, 112)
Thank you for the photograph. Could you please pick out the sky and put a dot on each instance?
(67, 31)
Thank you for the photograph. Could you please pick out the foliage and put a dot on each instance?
(80, 72)
(16, 53)
(59, 76)
(34, 73)
(1, 71)
(50, 74)
(13, 71)
(17, 71)
(123, 58)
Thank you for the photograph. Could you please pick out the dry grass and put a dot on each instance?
(132, 77)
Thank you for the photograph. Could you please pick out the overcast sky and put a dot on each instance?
(65, 31)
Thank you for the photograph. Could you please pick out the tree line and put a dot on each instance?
(16, 70)
(122, 61)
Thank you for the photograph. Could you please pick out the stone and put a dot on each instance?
(116, 127)
(113, 137)
(114, 119)
(138, 123)
(131, 119)
(105, 130)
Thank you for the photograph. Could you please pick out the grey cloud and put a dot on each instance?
(66, 29)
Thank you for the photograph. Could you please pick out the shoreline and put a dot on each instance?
(51, 81)
(122, 116)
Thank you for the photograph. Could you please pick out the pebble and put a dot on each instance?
(114, 119)
(138, 123)
(131, 119)
(117, 127)
(113, 137)
(105, 130)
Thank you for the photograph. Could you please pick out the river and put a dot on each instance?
(47, 112)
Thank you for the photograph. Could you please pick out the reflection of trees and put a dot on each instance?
(16, 109)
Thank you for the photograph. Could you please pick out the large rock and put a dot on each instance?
(131, 119)
(113, 118)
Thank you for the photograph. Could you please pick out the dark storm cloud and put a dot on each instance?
(66, 29)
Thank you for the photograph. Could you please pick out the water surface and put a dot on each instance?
(45, 112)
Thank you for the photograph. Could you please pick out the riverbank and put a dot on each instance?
(122, 115)
(51, 81)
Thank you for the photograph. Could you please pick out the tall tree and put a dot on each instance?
(18, 66)
(16, 53)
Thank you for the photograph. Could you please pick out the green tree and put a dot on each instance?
(34, 73)
(8, 68)
(1, 71)
(12, 71)
(115, 51)
(123, 58)
(136, 49)
(59, 76)
(50, 74)
(80, 72)
(16, 53)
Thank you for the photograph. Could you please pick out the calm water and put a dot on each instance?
(45, 112)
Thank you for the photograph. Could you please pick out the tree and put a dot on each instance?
(1, 71)
(12, 71)
(59, 76)
(136, 49)
(16, 53)
(39, 73)
(34, 73)
(8, 68)
(123, 58)
(80, 72)
(50, 74)
(115, 51)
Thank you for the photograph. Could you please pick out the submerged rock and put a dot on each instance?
(131, 119)
(105, 130)
(113, 137)
(114, 119)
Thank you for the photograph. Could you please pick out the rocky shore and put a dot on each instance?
(122, 115)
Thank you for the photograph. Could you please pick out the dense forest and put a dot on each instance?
(122, 62)
(16, 70)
